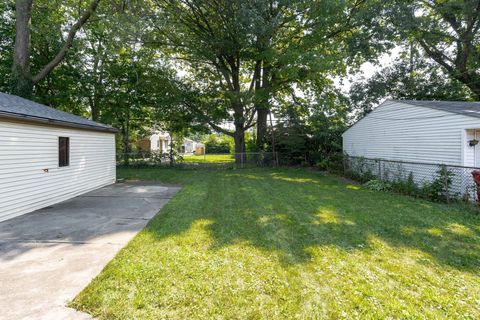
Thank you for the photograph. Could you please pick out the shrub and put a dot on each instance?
(407, 187)
(218, 144)
(378, 185)
(439, 188)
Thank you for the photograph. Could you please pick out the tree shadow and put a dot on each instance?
(104, 216)
(290, 212)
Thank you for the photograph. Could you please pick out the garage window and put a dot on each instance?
(63, 151)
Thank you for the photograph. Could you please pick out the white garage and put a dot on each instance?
(402, 140)
(438, 132)
(48, 156)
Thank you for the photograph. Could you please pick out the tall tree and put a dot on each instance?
(22, 78)
(238, 56)
(447, 30)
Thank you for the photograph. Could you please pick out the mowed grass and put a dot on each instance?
(213, 158)
(290, 244)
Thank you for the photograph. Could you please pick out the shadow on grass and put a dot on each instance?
(291, 211)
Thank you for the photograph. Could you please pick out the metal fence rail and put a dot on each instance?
(236, 160)
(438, 181)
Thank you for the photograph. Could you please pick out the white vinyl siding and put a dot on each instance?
(469, 152)
(398, 131)
(27, 151)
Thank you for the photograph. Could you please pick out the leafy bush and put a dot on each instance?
(439, 189)
(332, 163)
(378, 185)
(218, 144)
(407, 187)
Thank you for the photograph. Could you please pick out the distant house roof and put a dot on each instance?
(14, 107)
(471, 109)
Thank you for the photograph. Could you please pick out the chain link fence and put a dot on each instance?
(236, 160)
(434, 181)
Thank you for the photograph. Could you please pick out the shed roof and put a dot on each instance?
(471, 109)
(14, 107)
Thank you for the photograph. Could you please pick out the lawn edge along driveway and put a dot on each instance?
(48, 256)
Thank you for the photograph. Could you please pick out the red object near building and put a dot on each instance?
(476, 178)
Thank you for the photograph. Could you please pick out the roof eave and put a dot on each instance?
(16, 116)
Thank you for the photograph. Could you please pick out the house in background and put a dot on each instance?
(160, 142)
(418, 133)
(48, 156)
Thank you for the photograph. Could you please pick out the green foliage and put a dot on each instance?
(439, 188)
(309, 129)
(412, 77)
(218, 144)
(447, 31)
(407, 186)
(240, 57)
(378, 185)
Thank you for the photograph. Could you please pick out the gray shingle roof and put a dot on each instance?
(471, 109)
(19, 108)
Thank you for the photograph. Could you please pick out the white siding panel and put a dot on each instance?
(398, 131)
(27, 149)
(469, 151)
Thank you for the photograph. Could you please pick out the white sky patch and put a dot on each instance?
(367, 70)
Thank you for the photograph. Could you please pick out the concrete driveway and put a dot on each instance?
(47, 257)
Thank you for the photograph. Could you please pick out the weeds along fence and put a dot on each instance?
(436, 182)
(237, 160)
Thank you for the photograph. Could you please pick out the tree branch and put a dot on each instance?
(68, 43)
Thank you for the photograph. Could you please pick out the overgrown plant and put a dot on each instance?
(438, 190)
(378, 185)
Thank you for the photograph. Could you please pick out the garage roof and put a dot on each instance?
(14, 107)
(471, 109)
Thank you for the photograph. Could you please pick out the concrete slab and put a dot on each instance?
(48, 256)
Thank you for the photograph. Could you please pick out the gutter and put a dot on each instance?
(17, 116)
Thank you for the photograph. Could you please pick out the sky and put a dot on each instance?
(368, 69)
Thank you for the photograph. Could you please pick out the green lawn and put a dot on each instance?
(213, 158)
(290, 244)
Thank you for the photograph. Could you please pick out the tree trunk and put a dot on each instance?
(239, 139)
(263, 107)
(22, 84)
(239, 135)
(262, 115)
(126, 146)
(95, 111)
(22, 79)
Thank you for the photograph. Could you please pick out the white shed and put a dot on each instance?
(48, 156)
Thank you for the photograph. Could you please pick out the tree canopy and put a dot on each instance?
(229, 66)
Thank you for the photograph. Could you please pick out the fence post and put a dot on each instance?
(447, 194)
(379, 169)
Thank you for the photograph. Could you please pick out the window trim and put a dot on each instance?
(66, 154)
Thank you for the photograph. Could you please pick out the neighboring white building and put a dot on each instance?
(48, 156)
(160, 141)
(418, 131)
(435, 132)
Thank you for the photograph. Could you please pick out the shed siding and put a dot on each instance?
(398, 131)
(27, 149)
